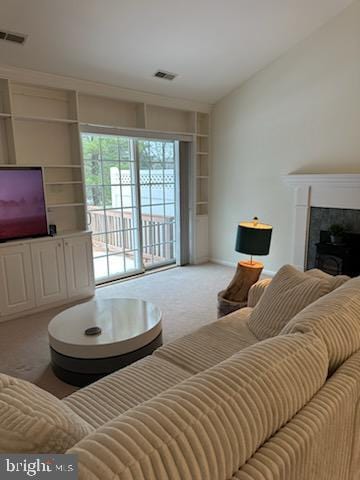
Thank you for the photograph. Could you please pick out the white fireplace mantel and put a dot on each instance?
(318, 190)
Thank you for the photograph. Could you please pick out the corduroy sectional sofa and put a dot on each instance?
(270, 392)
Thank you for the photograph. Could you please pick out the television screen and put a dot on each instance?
(22, 203)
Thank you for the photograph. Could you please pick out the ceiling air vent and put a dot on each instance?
(165, 75)
(13, 37)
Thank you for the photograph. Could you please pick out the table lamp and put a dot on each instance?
(253, 238)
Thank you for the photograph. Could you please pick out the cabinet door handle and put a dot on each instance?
(59, 245)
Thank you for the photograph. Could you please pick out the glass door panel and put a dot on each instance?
(112, 206)
(157, 180)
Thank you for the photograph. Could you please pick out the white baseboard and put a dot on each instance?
(222, 262)
(269, 273)
(201, 260)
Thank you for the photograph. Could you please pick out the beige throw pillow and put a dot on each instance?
(289, 292)
(34, 421)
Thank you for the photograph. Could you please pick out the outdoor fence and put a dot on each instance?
(158, 233)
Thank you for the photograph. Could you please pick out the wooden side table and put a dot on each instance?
(235, 295)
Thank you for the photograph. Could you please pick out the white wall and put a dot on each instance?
(300, 114)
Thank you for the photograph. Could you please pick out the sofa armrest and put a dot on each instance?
(256, 291)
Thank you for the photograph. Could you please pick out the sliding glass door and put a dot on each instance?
(157, 180)
(131, 203)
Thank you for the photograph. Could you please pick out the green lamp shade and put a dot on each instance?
(253, 238)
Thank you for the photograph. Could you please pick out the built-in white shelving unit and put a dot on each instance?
(202, 163)
(41, 126)
(201, 188)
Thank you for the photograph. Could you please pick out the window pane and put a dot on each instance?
(116, 264)
(157, 175)
(99, 245)
(127, 174)
(93, 172)
(112, 196)
(111, 174)
(169, 193)
(91, 146)
(157, 195)
(130, 239)
(128, 196)
(95, 196)
(131, 261)
(115, 242)
(147, 234)
(169, 211)
(97, 221)
(114, 220)
(124, 149)
(109, 149)
(100, 268)
(129, 218)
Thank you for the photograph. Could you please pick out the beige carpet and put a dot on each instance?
(186, 296)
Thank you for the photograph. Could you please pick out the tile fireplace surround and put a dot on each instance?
(318, 190)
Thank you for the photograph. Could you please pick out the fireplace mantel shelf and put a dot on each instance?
(334, 179)
(318, 190)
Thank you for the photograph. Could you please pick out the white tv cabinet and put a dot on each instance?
(37, 274)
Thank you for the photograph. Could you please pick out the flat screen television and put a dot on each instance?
(22, 203)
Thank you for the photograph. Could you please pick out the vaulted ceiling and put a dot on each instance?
(212, 45)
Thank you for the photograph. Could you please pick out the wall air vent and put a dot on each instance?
(165, 75)
(13, 37)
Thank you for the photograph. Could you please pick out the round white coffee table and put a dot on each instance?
(126, 329)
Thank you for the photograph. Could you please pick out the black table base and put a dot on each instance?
(82, 371)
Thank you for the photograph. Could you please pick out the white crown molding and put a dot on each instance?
(341, 180)
(96, 88)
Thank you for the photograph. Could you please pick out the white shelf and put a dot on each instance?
(67, 182)
(65, 205)
(140, 130)
(44, 119)
(202, 176)
(62, 166)
(202, 135)
(5, 115)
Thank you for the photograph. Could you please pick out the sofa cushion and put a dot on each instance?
(289, 292)
(114, 394)
(209, 425)
(210, 344)
(335, 280)
(335, 319)
(322, 441)
(34, 421)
